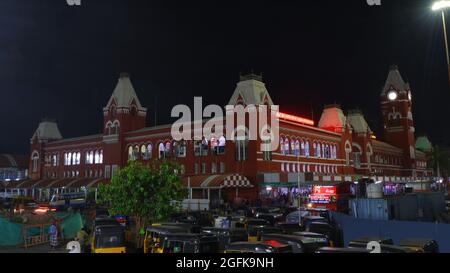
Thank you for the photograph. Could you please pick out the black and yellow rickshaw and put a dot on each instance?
(255, 232)
(227, 235)
(189, 243)
(108, 239)
(154, 235)
(257, 247)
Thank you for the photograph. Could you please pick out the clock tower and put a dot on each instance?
(396, 103)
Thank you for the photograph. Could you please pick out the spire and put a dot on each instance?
(333, 119)
(47, 130)
(394, 81)
(251, 90)
(124, 94)
(358, 122)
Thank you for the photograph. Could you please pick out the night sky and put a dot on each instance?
(63, 62)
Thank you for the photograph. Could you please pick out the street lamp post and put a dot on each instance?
(442, 6)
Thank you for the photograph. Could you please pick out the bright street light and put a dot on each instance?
(442, 6)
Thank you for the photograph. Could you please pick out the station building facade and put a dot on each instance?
(341, 147)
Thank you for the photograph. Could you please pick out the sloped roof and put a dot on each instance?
(395, 81)
(124, 93)
(251, 90)
(332, 118)
(381, 144)
(13, 161)
(424, 144)
(358, 122)
(48, 130)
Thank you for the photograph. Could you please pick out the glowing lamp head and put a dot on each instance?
(409, 96)
(392, 95)
(439, 5)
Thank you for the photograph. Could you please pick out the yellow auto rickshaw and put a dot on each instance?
(154, 235)
(108, 239)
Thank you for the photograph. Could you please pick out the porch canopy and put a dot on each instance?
(216, 181)
(59, 183)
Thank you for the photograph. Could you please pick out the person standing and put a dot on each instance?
(53, 232)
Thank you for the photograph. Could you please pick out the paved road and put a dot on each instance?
(35, 249)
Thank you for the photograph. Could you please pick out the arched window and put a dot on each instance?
(293, 146)
(96, 157)
(162, 150)
(78, 158)
(222, 143)
(297, 147)
(306, 148)
(204, 147)
(286, 146)
(181, 149)
(35, 161)
(282, 145)
(101, 157)
(149, 150)
(319, 152)
(144, 152)
(168, 146)
(302, 148)
(69, 159)
(130, 153)
(282, 167)
(241, 146)
(86, 159)
(91, 157)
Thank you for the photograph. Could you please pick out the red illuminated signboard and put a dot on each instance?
(301, 120)
(325, 190)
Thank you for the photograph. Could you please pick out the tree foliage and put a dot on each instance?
(145, 192)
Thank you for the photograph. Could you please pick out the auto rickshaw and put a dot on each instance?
(342, 250)
(255, 232)
(227, 235)
(155, 233)
(189, 243)
(108, 239)
(420, 245)
(258, 247)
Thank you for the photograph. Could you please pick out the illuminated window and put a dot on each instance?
(297, 147)
(306, 148)
(35, 161)
(144, 152)
(221, 147)
(180, 148)
(161, 150)
(282, 145)
(149, 150)
(101, 157)
(286, 146)
(96, 157)
(130, 153)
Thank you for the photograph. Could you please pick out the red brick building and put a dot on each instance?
(340, 148)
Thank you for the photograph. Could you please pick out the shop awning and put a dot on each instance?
(217, 181)
(58, 183)
(295, 184)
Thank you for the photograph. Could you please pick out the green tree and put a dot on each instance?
(146, 193)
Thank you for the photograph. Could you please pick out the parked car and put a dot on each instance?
(363, 241)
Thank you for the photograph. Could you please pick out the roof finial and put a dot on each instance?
(393, 67)
(124, 75)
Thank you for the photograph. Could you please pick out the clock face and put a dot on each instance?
(392, 95)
